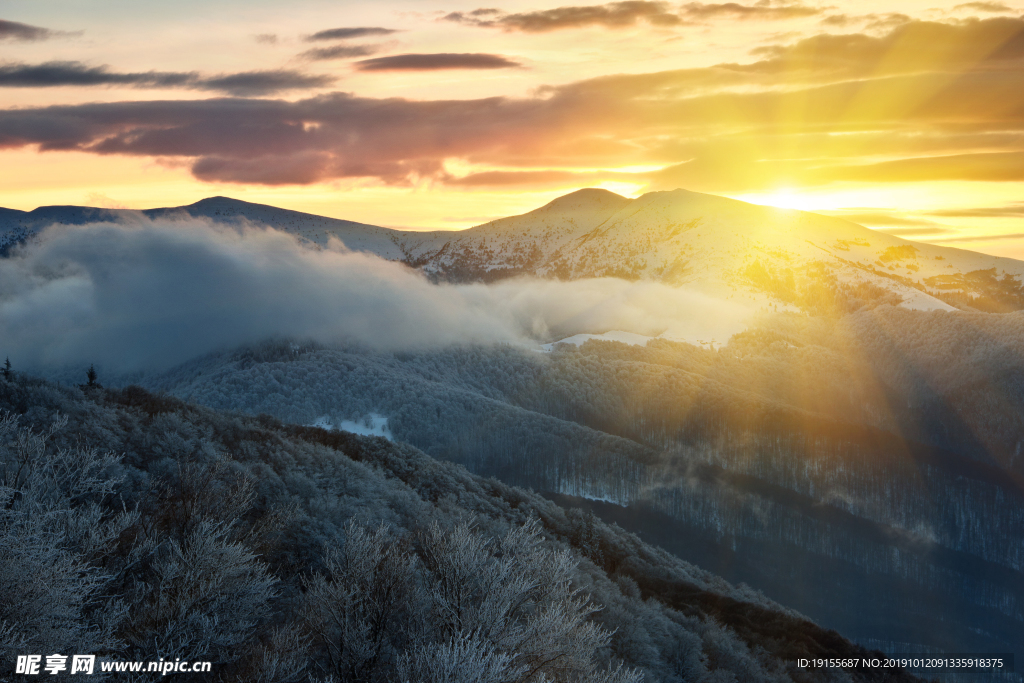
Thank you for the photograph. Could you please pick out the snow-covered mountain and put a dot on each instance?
(17, 226)
(721, 246)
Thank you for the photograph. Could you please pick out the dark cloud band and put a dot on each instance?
(13, 30)
(994, 7)
(53, 74)
(340, 52)
(349, 33)
(435, 62)
(250, 83)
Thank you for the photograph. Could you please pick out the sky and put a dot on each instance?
(903, 116)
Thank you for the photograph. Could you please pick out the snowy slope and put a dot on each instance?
(507, 246)
(17, 226)
(309, 227)
(697, 240)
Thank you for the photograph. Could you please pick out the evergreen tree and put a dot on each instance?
(7, 368)
(90, 374)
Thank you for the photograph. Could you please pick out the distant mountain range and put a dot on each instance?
(721, 246)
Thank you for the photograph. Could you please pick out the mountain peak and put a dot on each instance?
(219, 201)
(588, 197)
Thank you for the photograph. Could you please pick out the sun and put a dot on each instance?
(785, 198)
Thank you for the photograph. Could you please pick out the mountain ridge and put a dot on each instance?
(720, 246)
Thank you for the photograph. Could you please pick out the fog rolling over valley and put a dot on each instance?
(815, 420)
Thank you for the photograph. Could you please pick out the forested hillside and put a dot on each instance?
(867, 471)
(287, 553)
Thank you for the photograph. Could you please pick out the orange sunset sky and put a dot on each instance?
(904, 116)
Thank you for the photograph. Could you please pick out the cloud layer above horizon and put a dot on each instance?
(921, 101)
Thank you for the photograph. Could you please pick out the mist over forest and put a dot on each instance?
(154, 293)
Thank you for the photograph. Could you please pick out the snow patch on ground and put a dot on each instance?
(633, 339)
(590, 492)
(371, 425)
(917, 300)
(615, 335)
(323, 422)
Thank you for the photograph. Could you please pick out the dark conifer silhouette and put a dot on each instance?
(90, 374)
(7, 368)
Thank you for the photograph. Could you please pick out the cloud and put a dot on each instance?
(611, 15)
(148, 295)
(1009, 211)
(333, 136)
(552, 309)
(54, 74)
(264, 82)
(907, 47)
(349, 33)
(983, 7)
(154, 294)
(983, 238)
(760, 10)
(266, 38)
(841, 20)
(102, 200)
(881, 218)
(507, 178)
(625, 14)
(871, 22)
(340, 52)
(924, 101)
(76, 73)
(885, 22)
(345, 51)
(913, 232)
(992, 166)
(436, 61)
(12, 30)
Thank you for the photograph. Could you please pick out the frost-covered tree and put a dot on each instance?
(466, 608)
(514, 594)
(54, 536)
(464, 658)
(199, 570)
(353, 608)
(207, 595)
